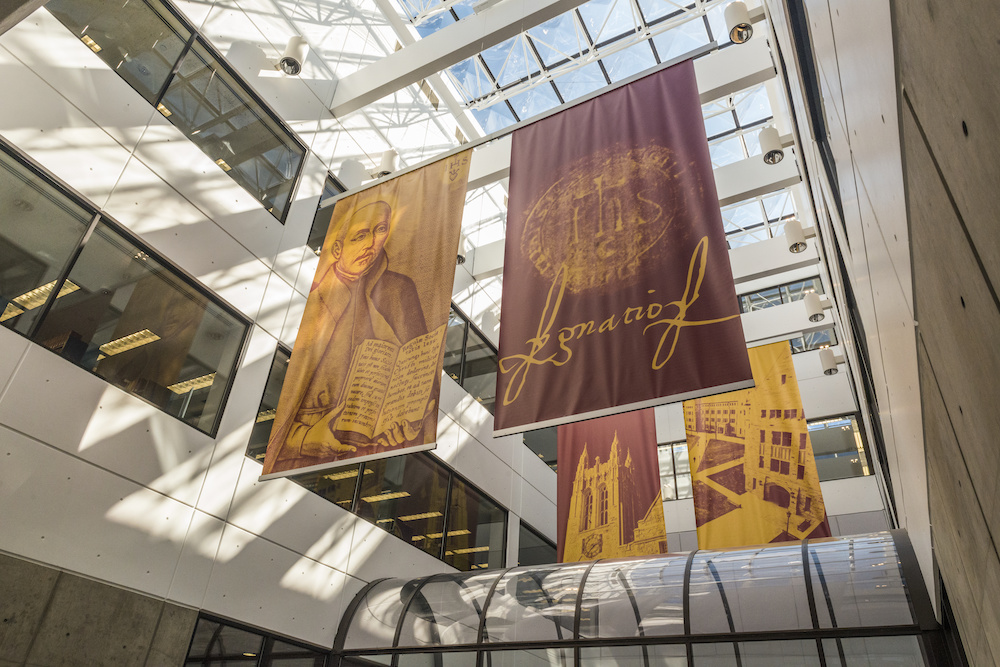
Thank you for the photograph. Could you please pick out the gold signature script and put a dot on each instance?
(666, 318)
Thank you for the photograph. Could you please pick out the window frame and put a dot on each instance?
(97, 216)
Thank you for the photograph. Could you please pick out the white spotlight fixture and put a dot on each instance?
(770, 146)
(738, 22)
(461, 248)
(814, 307)
(829, 361)
(794, 235)
(387, 165)
(294, 56)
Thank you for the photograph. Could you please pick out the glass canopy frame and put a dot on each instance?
(820, 592)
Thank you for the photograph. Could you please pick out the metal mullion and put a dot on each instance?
(447, 513)
(686, 606)
(357, 487)
(465, 343)
(61, 280)
(175, 69)
(482, 617)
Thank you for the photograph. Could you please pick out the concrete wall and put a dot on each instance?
(950, 116)
(50, 617)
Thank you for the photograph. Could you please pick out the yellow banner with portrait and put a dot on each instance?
(365, 372)
(752, 467)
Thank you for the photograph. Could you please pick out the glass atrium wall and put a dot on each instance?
(845, 601)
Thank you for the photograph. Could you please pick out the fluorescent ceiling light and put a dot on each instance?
(414, 517)
(345, 474)
(129, 342)
(266, 415)
(192, 384)
(392, 495)
(94, 46)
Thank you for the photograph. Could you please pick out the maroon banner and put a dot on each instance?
(618, 292)
(608, 489)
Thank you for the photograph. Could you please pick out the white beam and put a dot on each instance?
(439, 51)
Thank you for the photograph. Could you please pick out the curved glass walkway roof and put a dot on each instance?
(812, 603)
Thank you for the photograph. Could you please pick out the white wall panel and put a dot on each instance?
(167, 151)
(12, 350)
(236, 425)
(58, 57)
(285, 513)
(196, 560)
(375, 553)
(293, 319)
(267, 585)
(679, 515)
(848, 496)
(538, 510)
(51, 130)
(274, 307)
(68, 513)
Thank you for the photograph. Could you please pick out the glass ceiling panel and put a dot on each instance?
(435, 23)
(531, 603)
(446, 610)
(534, 101)
(581, 81)
(608, 19)
(631, 61)
(680, 40)
(657, 9)
(726, 152)
(510, 61)
(558, 39)
(717, 22)
(495, 117)
(472, 80)
(753, 105)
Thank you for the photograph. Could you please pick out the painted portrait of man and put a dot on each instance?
(369, 293)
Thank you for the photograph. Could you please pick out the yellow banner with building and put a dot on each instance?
(752, 465)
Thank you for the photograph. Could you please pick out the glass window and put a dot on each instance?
(257, 447)
(137, 324)
(623, 598)
(140, 40)
(406, 495)
(282, 654)
(537, 657)
(761, 300)
(216, 111)
(788, 653)
(454, 346)
(534, 604)
(437, 659)
(839, 448)
(213, 639)
(479, 375)
(728, 590)
(533, 549)
(858, 583)
(477, 530)
(814, 340)
(664, 655)
(865, 651)
(797, 291)
(668, 485)
(321, 221)
(544, 444)
(337, 486)
(41, 230)
(446, 610)
(682, 468)
(374, 623)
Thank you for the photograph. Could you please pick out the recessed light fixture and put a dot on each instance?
(424, 515)
(392, 495)
(164, 110)
(94, 46)
(193, 384)
(225, 165)
(129, 342)
(34, 298)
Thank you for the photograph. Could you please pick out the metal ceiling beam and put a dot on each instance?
(439, 51)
